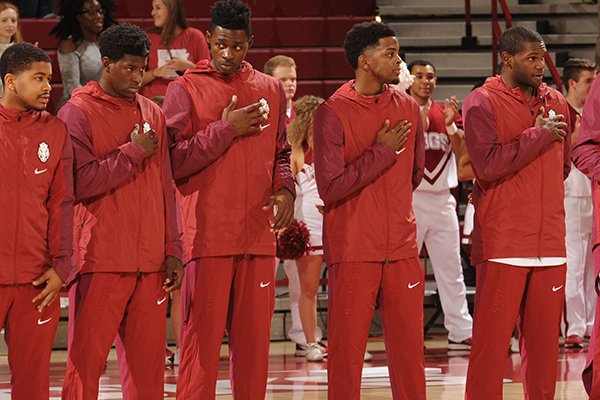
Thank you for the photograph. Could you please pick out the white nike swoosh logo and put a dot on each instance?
(159, 302)
(401, 150)
(40, 171)
(262, 284)
(264, 126)
(412, 285)
(40, 322)
(556, 289)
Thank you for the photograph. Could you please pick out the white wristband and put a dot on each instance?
(452, 129)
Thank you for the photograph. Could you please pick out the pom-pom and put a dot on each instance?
(406, 79)
(294, 241)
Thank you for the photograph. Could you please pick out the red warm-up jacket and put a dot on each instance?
(224, 181)
(367, 187)
(126, 218)
(36, 204)
(520, 169)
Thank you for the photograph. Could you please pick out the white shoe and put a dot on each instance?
(314, 352)
(368, 356)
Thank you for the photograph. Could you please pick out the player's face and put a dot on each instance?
(383, 60)
(30, 89)
(124, 77)
(160, 13)
(526, 68)
(581, 88)
(287, 76)
(425, 81)
(8, 24)
(228, 49)
(91, 17)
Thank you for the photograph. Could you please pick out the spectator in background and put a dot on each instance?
(79, 59)
(175, 47)
(9, 28)
(37, 8)
(283, 68)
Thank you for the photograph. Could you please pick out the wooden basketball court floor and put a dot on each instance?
(293, 378)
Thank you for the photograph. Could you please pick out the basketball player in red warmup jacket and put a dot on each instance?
(516, 136)
(230, 159)
(369, 157)
(36, 234)
(127, 235)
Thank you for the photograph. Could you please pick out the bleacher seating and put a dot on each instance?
(311, 31)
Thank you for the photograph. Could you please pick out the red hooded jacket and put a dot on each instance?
(126, 219)
(37, 200)
(520, 169)
(224, 181)
(367, 187)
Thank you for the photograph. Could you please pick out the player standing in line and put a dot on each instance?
(578, 76)
(127, 233)
(518, 144)
(37, 212)
(368, 143)
(231, 163)
(435, 207)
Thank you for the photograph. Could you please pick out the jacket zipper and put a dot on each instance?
(20, 170)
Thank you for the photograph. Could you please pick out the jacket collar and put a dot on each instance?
(496, 84)
(204, 67)
(348, 91)
(93, 89)
(8, 114)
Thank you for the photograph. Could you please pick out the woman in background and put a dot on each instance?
(79, 59)
(9, 29)
(175, 47)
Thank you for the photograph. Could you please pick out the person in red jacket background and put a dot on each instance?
(37, 214)
(517, 139)
(127, 233)
(231, 164)
(369, 157)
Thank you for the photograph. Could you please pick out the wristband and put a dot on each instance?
(452, 129)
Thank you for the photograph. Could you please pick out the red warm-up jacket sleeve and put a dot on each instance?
(95, 176)
(60, 214)
(491, 159)
(173, 217)
(586, 152)
(335, 179)
(282, 173)
(189, 156)
(419, 158)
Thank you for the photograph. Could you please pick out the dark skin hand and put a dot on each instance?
(284, 201)
(555, 125)
(174, 274)
(145, 139)
(50, 292)
(395, 137)
(246, 120)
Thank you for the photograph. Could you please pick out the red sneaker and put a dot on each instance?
(574, 342)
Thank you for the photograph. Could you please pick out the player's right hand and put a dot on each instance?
(147, 140)
(555, 125)
(246, 120)
(395, 137)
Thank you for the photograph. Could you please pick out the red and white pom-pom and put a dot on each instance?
(294, 241)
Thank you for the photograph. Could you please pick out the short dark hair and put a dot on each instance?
(513, 38)
(422, 63)
(231, 14)
(119, 40)
(19, 57)
(362, 36)
(68, 26)
(574, 66)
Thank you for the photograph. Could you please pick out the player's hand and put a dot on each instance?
(50, 292)
(395, 137)
(283, 200)
(320, 208)
(145, 139)
(174, 274)
(425, 115)
(575, 132)
(555, 125)
(450, 110)
(246, 120)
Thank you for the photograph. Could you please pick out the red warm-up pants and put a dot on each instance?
(591, 373)
(131, 306)
(238, 294)
(355, 288)
(505, 293)
(29, 336)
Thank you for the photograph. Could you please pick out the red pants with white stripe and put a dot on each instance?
(535, 296)
(238, 294)
(29, 336)
(132, 307)
(355, 288)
